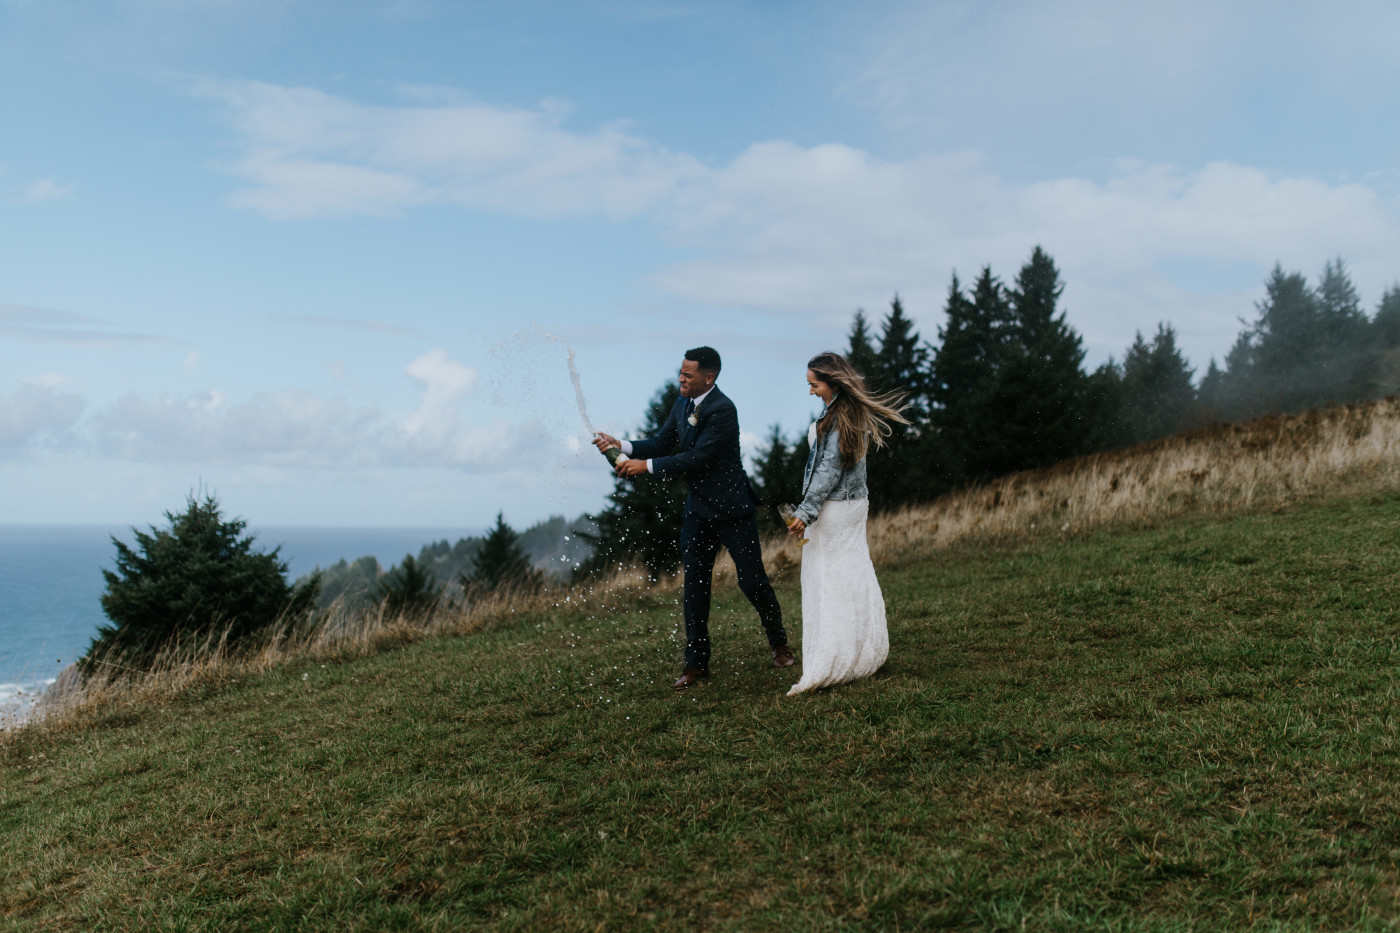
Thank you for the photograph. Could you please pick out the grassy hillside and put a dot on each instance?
(1192, 726)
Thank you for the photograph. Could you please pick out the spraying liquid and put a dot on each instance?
(578, 387)
(614, 454)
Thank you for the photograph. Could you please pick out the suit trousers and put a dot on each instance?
(701, 539)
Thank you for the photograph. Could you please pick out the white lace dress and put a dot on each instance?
(843, 612)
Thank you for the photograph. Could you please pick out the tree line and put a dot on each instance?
(1005, 388)
(202, 574)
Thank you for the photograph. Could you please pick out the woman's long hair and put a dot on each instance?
(859, 417)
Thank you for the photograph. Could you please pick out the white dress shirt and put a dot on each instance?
(627, 445)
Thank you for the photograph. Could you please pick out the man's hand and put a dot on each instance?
(629, 468)
(604, 441)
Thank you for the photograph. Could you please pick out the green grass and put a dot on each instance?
(1189, 727)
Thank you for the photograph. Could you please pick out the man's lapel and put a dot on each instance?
(691, 432)
(687, 431)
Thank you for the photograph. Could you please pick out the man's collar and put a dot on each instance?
(696, 401)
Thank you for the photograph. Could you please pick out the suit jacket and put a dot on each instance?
(706, 453)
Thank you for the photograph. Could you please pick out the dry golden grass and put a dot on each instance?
(1223, 468)
(1219, 469)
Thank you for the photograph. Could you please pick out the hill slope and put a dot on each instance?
(1181, 727)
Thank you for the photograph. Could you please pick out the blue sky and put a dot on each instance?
(307, 253)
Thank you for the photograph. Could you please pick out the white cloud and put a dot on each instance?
(47, 190)
(298, 429)
(827, 228)
(436, 425)
(310, 154)
(444, 380)
(37, 414)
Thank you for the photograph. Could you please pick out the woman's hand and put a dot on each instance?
(797, 527)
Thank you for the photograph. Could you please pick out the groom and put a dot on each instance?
(700, 440)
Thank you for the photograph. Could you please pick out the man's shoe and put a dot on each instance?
(782, 657)
(689, 677)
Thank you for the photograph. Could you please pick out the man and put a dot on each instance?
(700, 440)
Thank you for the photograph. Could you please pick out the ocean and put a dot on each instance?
(51, 585)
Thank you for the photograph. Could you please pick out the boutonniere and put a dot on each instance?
(691, 421)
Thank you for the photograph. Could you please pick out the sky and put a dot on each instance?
(326, 260)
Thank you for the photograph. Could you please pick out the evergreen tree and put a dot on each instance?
(351, 583)
(777, 475)
(966, 369)
(1240, 393)
(1156, 387)
(1309, 347)
(903, 471)
(901, 362)
(1210, 396)
(1345, 360)
(860, 351)
(1103, 396)
(1343, 321)
(643, 518)
(1039, 413)
(501, 562)
(200, 574)
(1286, 338)
(408, 590)
(1385, 326)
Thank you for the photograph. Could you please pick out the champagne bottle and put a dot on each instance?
(614, 454)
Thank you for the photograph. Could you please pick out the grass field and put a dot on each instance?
(1187, 727)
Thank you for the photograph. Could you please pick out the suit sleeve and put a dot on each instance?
(717, 429)
(665, 439)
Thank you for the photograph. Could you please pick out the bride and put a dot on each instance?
(843, 612)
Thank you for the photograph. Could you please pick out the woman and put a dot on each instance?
(843, 612)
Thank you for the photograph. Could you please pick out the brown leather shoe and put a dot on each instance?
(689, 677)
(782, 657)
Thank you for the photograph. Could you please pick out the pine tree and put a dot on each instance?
(643, 518)
(904, 470)
(1156, 387)
(777, 475)
(860, 352)
(408, 590)
(966, 368)
(1339, 304)
(901, 362)
(199, 575)
(1103, 405)
(1346, 360)
(1385, 326)
(501, 562)
(1209, 397)
(1306, 347)
(1285, 341)
(1038, 414)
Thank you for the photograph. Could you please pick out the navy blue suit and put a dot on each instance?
(719, 511)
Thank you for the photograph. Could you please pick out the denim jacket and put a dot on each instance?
(824, 478)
